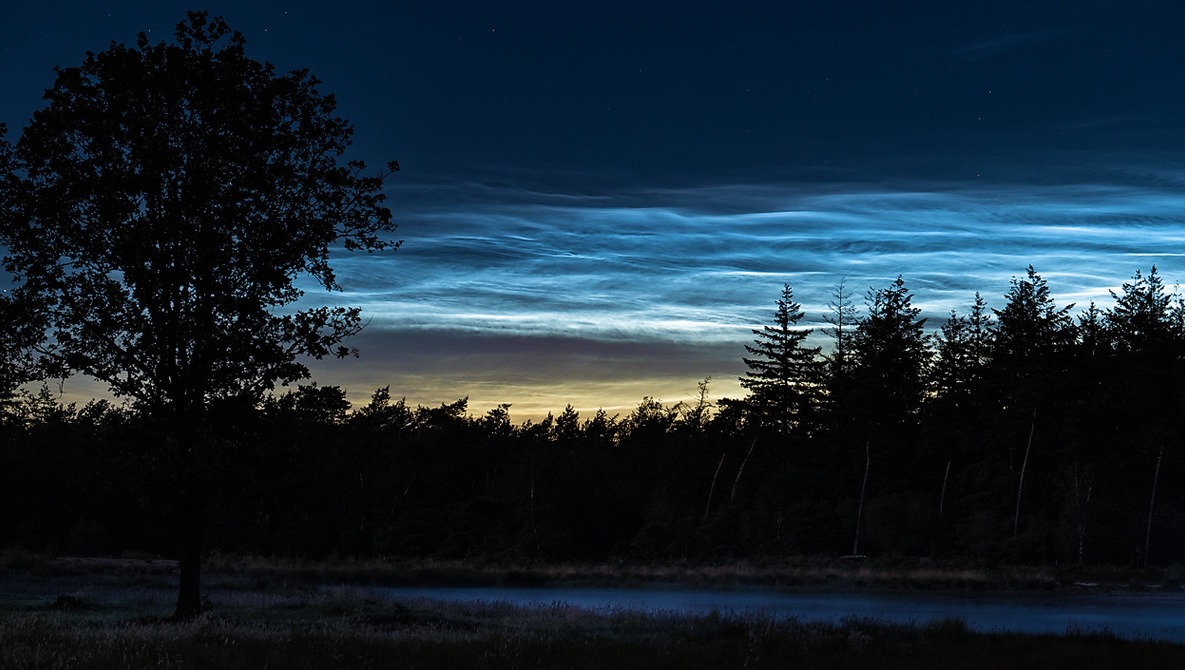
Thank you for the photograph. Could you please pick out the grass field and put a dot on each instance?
(116, 619)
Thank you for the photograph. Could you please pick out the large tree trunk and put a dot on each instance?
(187, 430)
(189, 595)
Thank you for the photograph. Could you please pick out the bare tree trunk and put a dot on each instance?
(1152, 505)
(189, 596)
(712, 490)
(942, 496)
(1023, 466)
(186, 430)
(863, 489)
(1082, 525)
(534, 524)
(732, 496)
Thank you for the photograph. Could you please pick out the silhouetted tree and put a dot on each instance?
(650, 419)
(1142, 331)
(784, 379)
(956, 377)
(22, 324)
(843, 317)
(1141, 320)
(313, 404)
(1032, 333)
(891, 355)
(169, 196)
(381, 416)
(1093, 334)
(21, 330)
(566, 430)
(602, 429)
(963, 350)
(698, 413)
(877, 413)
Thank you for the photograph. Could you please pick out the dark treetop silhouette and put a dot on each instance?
(161, 207)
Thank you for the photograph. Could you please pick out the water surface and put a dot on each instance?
(1157, 616)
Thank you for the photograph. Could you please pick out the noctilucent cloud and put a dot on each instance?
(598, 204)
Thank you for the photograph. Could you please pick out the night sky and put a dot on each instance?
(598, 204)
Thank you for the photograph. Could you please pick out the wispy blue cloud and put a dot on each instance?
(677, 271)
(703, 264)
(995, 46)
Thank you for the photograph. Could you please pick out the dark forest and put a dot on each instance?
(1027, 433)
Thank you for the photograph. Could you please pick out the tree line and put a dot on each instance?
(1024, 433)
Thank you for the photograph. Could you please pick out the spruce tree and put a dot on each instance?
(891, 352)
(1142, 319)
(1031, 331)
(962, 351)
(784, 375)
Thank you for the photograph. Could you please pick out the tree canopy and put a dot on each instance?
(169, 196)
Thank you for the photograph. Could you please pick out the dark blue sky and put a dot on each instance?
(598, 203)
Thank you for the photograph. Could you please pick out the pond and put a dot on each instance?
(1156, 616)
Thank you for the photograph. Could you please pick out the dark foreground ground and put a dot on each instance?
(101, 614)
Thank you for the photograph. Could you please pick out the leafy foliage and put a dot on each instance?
(168, 196)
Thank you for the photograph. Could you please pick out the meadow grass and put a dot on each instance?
(120, 623)
(806, 573)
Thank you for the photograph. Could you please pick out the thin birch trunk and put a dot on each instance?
(1023, 466)
(712, 490)
(942, 496)
(1082, 524)
(534, 524)
(1152, 505)
(863, 489)
(732, 496)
